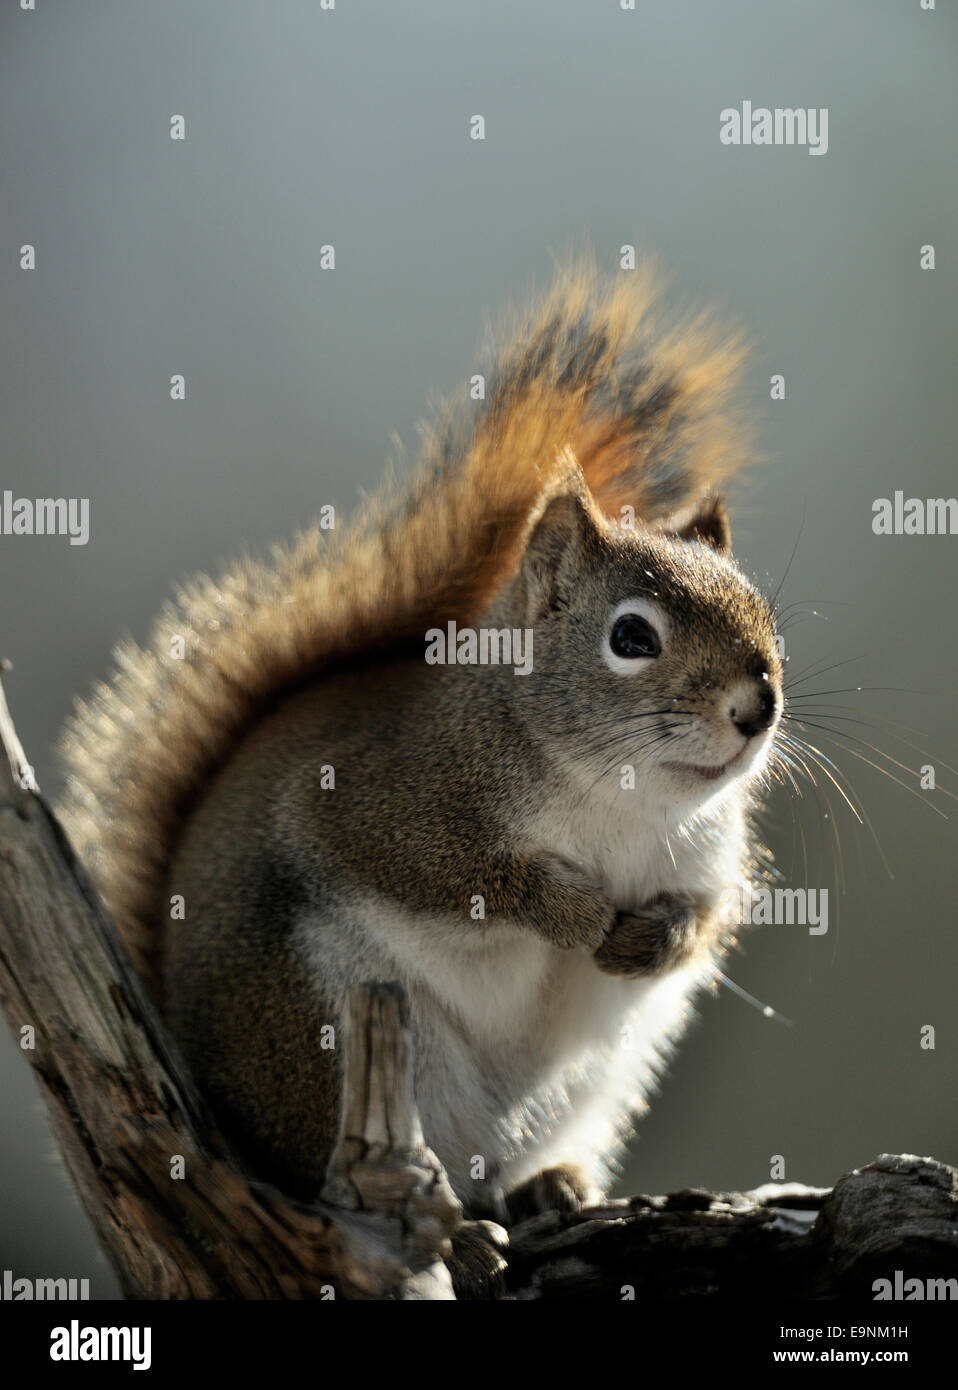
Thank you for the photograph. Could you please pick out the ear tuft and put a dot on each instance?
(710, 524)
(564, 525)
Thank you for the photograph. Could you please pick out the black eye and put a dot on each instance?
(632, 636)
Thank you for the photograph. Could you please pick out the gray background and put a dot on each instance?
(351, 127)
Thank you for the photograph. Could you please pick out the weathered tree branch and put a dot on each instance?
(789, 1241)
(128, 1120)
(122, 1108)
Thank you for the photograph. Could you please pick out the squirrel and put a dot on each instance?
(538, 855)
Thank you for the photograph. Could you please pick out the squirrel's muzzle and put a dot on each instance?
(753, 708)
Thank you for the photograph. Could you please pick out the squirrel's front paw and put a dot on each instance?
(664, 934)
(568, 909)
(565, 1189)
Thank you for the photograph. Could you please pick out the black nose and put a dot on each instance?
(759, 717)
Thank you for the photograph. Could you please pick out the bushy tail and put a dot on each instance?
(643, 408)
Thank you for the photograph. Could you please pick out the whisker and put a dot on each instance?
(800, 615)
(821, 759)
(810, 673)
(877, 766)
(765, 1009)
(858, 689)
(774, 599)
(882, 724)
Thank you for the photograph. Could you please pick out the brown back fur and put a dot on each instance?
(643, 408)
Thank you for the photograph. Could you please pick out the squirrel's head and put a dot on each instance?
(654, 658)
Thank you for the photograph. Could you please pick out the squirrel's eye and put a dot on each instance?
(632, 636)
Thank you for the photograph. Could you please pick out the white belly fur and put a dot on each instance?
(529, 1056)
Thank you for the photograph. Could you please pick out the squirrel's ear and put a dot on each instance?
(556, 540)
(710, 525)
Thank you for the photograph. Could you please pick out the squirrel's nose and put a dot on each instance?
(752, 709)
